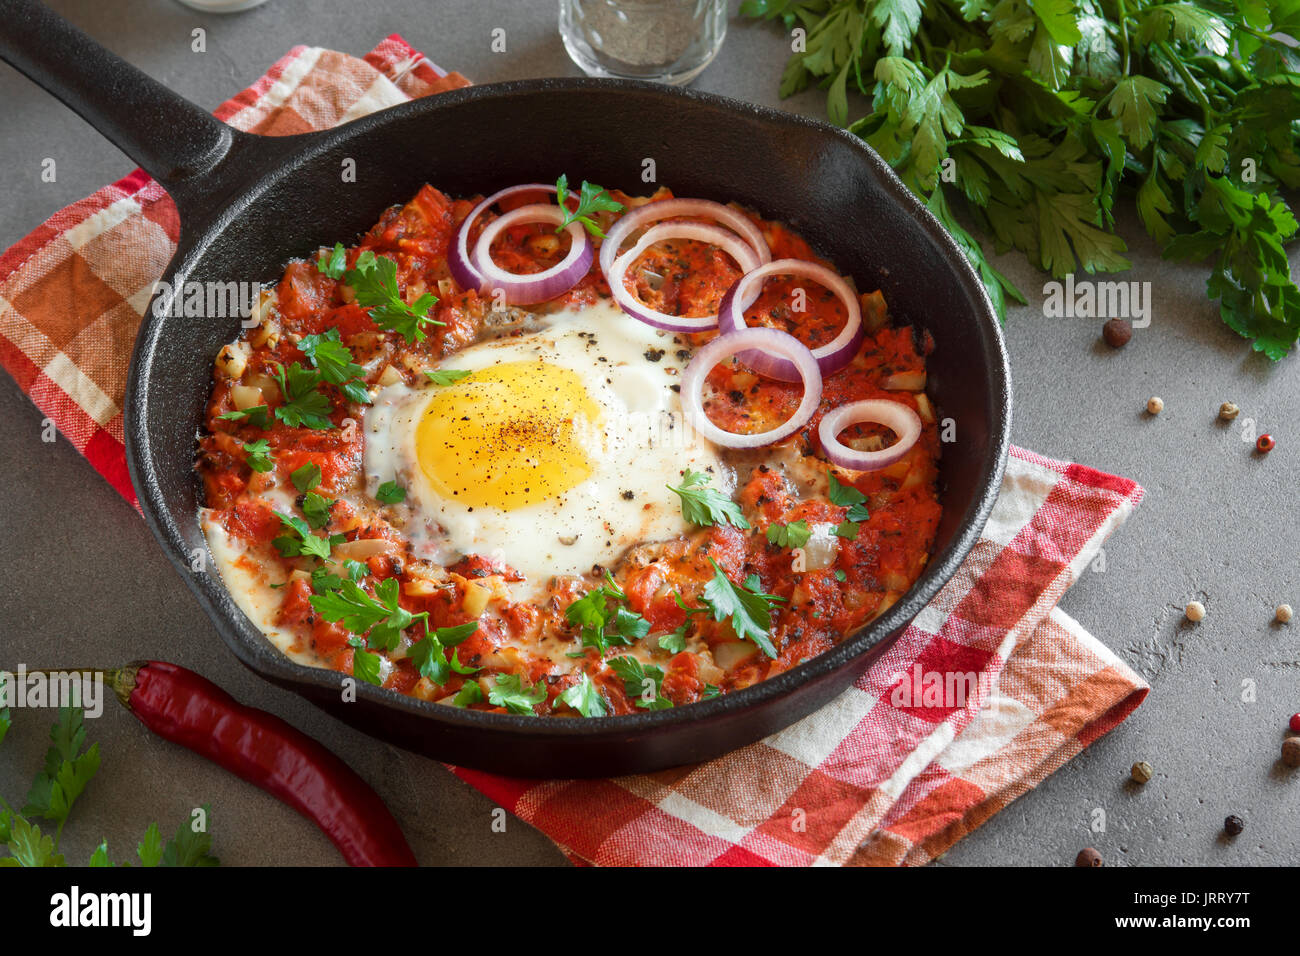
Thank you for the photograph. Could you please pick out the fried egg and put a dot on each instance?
(552, 455)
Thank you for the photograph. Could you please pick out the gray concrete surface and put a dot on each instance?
(85, 584)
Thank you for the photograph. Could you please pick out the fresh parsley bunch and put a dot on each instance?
(69, 767)
(1040, 114)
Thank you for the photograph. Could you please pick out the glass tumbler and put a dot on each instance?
(671, 41)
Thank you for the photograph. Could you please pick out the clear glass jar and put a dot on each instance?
(671, 41)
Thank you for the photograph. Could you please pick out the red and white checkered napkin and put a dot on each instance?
(883, 774)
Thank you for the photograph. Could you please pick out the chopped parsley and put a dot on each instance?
(509, 692)
(316, 509)
(304, 406)
(749, 609)
(710, 692)
(429, 655)
(255, 416)
(257, 454)
(298, 541)
(840, 575)
(333, 360)
(365, 665)
(792, 535)
(584, 698)
(307, 477)
(446, 376)
(641, 682)
(470, 693)
(847, 529)
(333, 263)
(591, 199)
(603, 620)
(390, 493)
(380, 618)
(705, 506)
(374, 279)
(846, 496)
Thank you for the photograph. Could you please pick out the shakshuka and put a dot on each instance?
(568, 452)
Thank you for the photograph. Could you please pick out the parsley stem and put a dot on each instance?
(1122, 16)
(1206, 111)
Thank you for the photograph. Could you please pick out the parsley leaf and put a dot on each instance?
(748, 608)
(792, 535)
(847, 529)
(333, 360)
(601, 609)
(641, 682)
(446, 376)
(584, 698)
(470, 693)
(304, 406)
(298, 541)
(190, 847)
(374, 279)
(510, 692)
(333, 263)
(307, 477)
(591, 199)
(255, 416)
(316, 508)
(846, 496)
(365, 665)
(429, 654)
(257, 454)
(390, 493)
(380, 618)
(705, 506)
(67, 769)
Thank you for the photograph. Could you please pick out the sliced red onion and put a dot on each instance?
(467, 276)
(832, 356)
(733, 343)
(897, 417)
(724, 239)
(631, 221)
(538, 286)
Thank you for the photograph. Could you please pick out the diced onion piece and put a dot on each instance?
(924, 408)
(476, 599)
(362, 548)
(905, 382)
(821, 549)
(630, 222)
(731, 654)
(874, 312)
(724, 239)
(538, 286)
(896, 416)
(246, 396)
(389, 376)
(772, 341)
(832, 356)
(460, 266)
(232, 360)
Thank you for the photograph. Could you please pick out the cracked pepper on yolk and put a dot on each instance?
(508, 436)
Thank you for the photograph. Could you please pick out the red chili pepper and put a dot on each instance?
(190, 710)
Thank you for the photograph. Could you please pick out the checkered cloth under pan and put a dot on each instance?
(883, 774)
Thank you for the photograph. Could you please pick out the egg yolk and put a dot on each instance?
(509, 436)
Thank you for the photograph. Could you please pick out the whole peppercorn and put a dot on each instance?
(1141, 771)
(1283, 614)
(1195, 612)
(1155, 404)
(1228, 411)
(1088, 857)
(1233, 825)
(1265, 443)
(1291, 751)
(1117, 332)
(1294, 723)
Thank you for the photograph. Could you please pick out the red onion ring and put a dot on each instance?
(538, 286)
(832, 356)
(726, 240)
(467, 276)
(733, 343)
(904, 422)
(629, 222)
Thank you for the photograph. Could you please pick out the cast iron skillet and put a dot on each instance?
(248, 204)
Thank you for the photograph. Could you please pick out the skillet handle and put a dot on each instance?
(176, 142)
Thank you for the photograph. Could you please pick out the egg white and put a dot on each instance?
(641, 446)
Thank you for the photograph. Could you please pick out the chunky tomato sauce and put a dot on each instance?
(826, 591)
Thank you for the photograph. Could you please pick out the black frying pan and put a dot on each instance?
(248, 204)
